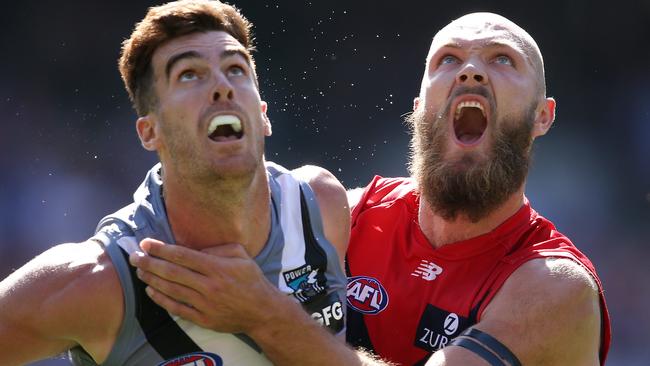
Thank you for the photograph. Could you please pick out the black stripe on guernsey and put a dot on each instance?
(479, 350)
(162, 332)
(492, 344)
(314, 254)
(356, 333)
(473, 313)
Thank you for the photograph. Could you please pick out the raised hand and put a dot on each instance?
(219, 288)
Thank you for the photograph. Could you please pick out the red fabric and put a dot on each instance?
(387, 244)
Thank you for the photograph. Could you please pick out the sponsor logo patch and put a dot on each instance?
(366, 295)
(195, 359)
(438, 327)
(306, 282)
(327, 309)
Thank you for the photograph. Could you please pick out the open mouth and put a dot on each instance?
(470, 121)
(225, 127)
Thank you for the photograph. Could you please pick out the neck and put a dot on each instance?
(236, 211)
(441, 231)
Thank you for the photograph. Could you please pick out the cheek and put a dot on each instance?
(436, 90)
(515, 87)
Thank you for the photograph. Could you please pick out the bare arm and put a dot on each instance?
(333, 203)
(354, 195)
(67, 296)
(547, 313)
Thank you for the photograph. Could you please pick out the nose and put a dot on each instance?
(471, 73)
(222, 90)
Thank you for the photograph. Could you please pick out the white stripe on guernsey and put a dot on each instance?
(129, 244)
(231, 349)
(293, 253)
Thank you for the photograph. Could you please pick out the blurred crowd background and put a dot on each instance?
(338, 77)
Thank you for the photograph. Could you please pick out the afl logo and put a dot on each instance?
(195, 359)
(366, 295)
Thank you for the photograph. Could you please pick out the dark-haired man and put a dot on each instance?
(189, 71)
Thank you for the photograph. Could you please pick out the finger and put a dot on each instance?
(168, 270)
(174, 307)
(186, 257)
(229, 250)
(171, 289)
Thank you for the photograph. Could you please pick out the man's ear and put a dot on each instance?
(416, 103)
(544, 117)
(147, 132)
(267, 122)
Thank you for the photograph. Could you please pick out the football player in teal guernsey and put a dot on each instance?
(189, 72)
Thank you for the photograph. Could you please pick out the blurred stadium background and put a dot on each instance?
(338, 75)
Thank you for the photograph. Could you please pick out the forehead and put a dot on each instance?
(484, 31)
(208, 44)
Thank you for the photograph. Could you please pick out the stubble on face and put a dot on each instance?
(471, 184)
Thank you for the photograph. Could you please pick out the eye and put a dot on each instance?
(503, 60)
(449, 59)
(236, 70)
(188, 75)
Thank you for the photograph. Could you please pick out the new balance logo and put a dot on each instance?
(428, 271)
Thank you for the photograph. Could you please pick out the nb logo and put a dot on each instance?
(428, 271)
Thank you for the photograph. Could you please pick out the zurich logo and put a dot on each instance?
(366, 295)
(195, 359)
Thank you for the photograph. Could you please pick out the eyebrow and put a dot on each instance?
(181, 56)
(236, 51)
(193, 54)
(489, 44)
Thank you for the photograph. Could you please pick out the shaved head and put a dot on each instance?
(483, 25)
(482, 103)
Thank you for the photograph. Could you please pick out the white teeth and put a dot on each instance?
(225, 119)
(468, 104)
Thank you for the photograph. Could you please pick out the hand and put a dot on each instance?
(219, 288)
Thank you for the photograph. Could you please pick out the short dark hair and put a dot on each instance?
(168, 21)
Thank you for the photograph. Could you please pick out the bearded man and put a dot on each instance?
(453, 260)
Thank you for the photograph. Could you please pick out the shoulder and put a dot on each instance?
(328, 189)
(321, 180)
(558, 282)
(381, 191)
(548, 312)
(70, 292)
(333, 203)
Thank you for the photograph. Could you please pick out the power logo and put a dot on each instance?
(195, 359)
(366, 295)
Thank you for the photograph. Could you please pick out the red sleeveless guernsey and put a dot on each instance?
(407, 299)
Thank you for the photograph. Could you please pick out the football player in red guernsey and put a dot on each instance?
(454, 261)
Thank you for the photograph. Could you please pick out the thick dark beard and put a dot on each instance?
(473, 185)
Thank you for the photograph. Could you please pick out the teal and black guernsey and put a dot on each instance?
(297, 259)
